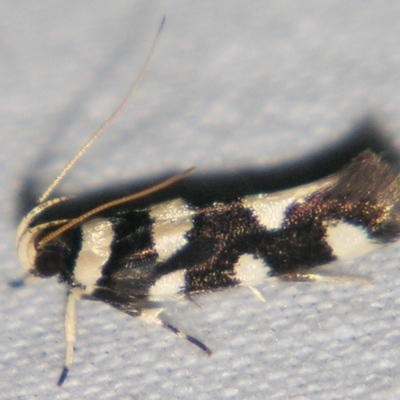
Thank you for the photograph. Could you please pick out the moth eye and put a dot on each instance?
(47, 264)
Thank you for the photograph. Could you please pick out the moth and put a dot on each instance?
(133, 254)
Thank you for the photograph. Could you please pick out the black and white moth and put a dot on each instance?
(134, 255)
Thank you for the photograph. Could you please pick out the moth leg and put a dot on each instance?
(192, 300)
(257, 293)
(184, 335)
(70, 331)
(152, 315)
(321, 277)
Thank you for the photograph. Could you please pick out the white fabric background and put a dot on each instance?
(232, 84)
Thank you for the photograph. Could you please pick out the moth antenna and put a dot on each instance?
(107, 123)
(134, 196)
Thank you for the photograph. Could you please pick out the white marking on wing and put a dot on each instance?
(270, 209)
(348, 241)
(172, 221)
(270, 213)
(251, 271)
(168, 286)
(97, 236)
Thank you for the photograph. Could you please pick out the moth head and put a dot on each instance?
(43, 261)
